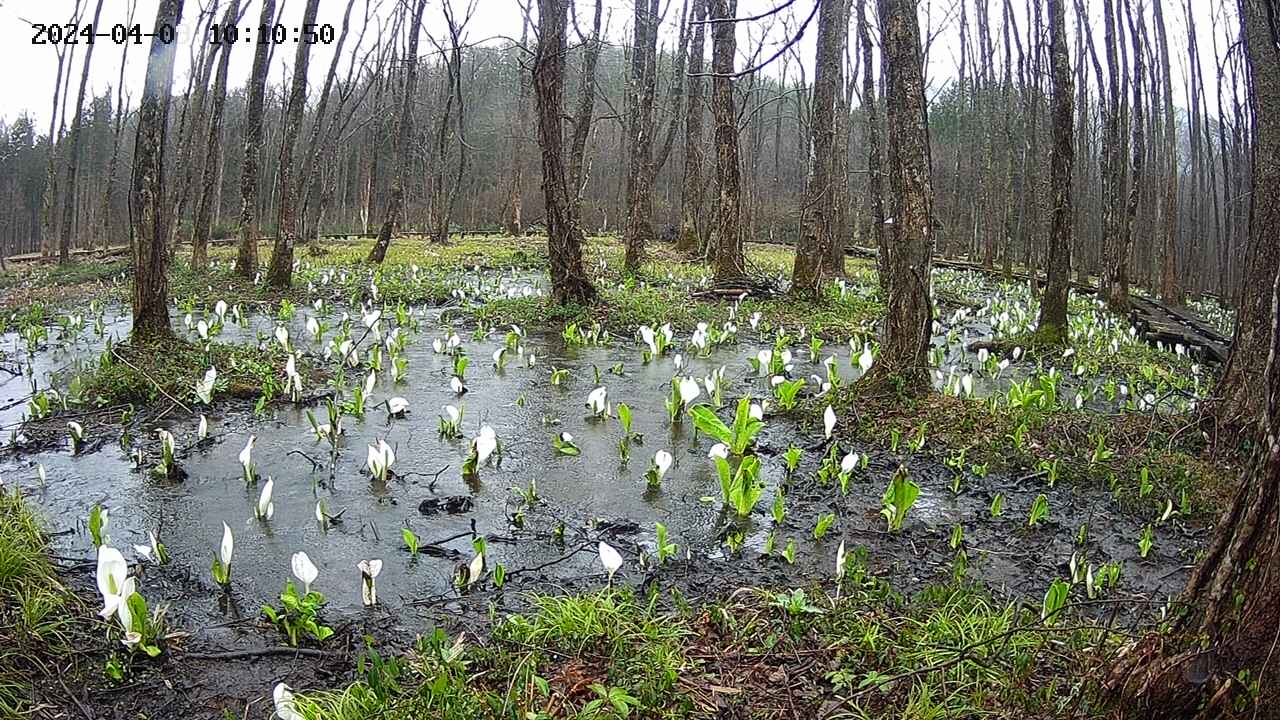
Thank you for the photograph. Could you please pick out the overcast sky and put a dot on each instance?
(29, 70)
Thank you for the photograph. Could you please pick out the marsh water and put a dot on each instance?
(580, 499)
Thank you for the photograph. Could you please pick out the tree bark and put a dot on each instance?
(404, 131)
(569, 283)
(1230, 632)
(73, 153)
(728, 263)
(875, 181)
(693, 236)
(904, 344)
(1053, 306)
(582, 117)
(818, 212)
(149, 235)
(1170, 291)
(1239, 399)
(280, 271)
(201, 229)
(640, 132)
(247, 255)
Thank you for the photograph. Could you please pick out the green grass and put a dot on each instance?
(949, 652)
(35, 623)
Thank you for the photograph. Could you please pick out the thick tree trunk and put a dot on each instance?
(150, 214)
(1229, 635)
(728, 263)
(1239, 399)
(818, 214)
(1053, 306)
(569, 283)
(693, 235)
(201, 229)
(280, 272)
(404, 131)
(640, 131)
(247, 255)
(904, 344)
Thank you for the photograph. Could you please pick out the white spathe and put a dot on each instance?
(304, 570)
(610, 558)
(369, 570)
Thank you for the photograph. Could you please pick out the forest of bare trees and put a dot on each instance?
(1160, 189)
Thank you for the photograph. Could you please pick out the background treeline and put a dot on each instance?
(1172, 180)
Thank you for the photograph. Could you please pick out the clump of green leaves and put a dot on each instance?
(898, 498)
(298, 615)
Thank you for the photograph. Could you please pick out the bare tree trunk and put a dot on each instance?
(728, 263)
(692, 230)
(1170, 291)
(640, 131)
(208, 185)
(818, 212)
(1240, 400)
(149, 213)
(904, 344)
(117, 127)
(50, 194)
(280, 272)
(320, 129)
(404, 130)
(582, 117)
(73, 153)
(519, 128)
(1053, 306)
(564, 239)
(875, 182)
(247, 255)
(1228, 638)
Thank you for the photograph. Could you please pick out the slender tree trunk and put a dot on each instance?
(404, 131)
(582, 117)
(875, 181)
(564, 239)
(1170, 291)
(728, 263)
(201, 229)
(818, 211)
(247, 255)
(519, 129)
(311, 181)
(904, 344)
(117, 127)
(1053, 306)
(150, 213)
(693, 236)
(73, 153)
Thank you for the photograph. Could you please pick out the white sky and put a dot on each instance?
(30, 69)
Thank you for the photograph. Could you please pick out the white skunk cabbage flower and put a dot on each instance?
(598, 401)
(662, 461)
(115, 584)
(379, 459)
(397, 405)
(719, 450)
(688, 390)
(369, 570)
(484, 444)
(286, 709)
(610, 558)
(866, 359)
(204, 388)
(828, 421)
(265, 507)
(304, 570)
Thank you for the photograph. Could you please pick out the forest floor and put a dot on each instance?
(1054, 499)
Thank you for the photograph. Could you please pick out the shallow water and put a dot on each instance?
(593, 494)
